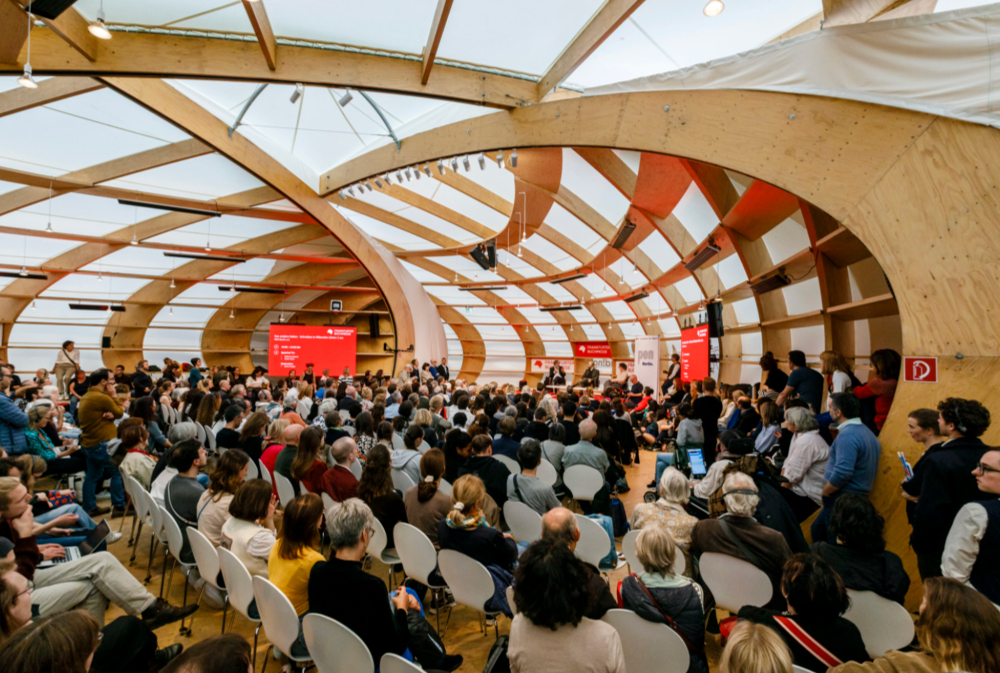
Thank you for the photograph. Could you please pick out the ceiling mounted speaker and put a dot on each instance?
(50, 9)
(702, 256)
(768, 284)
(623, 235)
(478, 253)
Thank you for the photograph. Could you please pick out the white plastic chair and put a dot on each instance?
(356, 469)
(799, 669)
(649, 647)
(628, 549)
(397, 442)
(583, 481)
(335, 648)
(209, 439)
(885, 625)
(239, 584)
(547, 473)
(165, 416)
(345, 415)
(525, 523)
(444, 486)
(470, 582)
(158, 537)
(594, 543)
(393, 663)
(510, 463)
(418, 556)
(201, 433)
(252, 471)
(175, 543)
(207, 560)
(286, 492)
(328, 502)
(377, 548)
(279, 619)
(133, 487)
(265, 474)
(401, 481)
(734, 582)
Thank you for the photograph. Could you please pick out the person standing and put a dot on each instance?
(972, 550)
(195, 374)
(708, 408)
(947, 482)
(805, 382)
(66, 366)
(96, 415)
(13, 421)
(142, 382)
(853, 461)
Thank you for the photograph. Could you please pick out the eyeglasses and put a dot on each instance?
(31, 587)
(984, 468)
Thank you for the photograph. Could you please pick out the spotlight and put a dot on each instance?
(135, 241)
(454, 164)
(513, 159)
(368, 184)
(297, 94)
(427, 169)
(34, 307)
(27, 80)
(172, 284)
(499, 159)
(399, 177)
(23, 272)
(714, 8)
(342, 195)
(409, 174)
(100, 275)
(482, 161)
(377, 182)
(97, 28)
(465, 163)
(48, 227)
(171, 310)
(350, 190)
(346, 98)
(387, 179)
(231, 315)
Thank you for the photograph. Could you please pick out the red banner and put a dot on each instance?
(694, 353)
(592, 349)
(920, 369)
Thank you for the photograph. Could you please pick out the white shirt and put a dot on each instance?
(160, 484)
(805, 465)
(841, 382)
(712, 480)
(64, 357)
(962, 545)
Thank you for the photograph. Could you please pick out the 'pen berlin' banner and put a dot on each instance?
(647, 361)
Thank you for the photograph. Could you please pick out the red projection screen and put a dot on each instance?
(694, 353)
(292, 346)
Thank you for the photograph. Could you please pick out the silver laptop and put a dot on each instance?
(95, 538)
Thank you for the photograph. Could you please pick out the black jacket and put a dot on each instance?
(682, 604)
(840, 636)
(343, 591)
(486, 545)
(749, 418)
(881, 573)
(537, 430)
(572, 433)
(142, 383)
(493, 473)
(946, 484)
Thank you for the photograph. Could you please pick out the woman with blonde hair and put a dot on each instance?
(305, 404)
(958, 630)
(213, 505)
(659, 594)
(839, 376)
(424, 419)
(754, 648)
(770, 431)
(466, 530)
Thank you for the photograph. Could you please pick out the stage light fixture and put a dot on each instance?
(98, 28)
(343, 196)
(440, 168)
(482, 161)
(27, 80)
(500, 159)
(296, 94)
(714, 8)
(427, 169)
(454, 164)
(346, 98)
(513, 159)
(378, 182)
(465, 163)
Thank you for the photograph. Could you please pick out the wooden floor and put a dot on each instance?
(463, 635)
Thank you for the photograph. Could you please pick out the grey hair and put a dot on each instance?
(239, 388)
(588, 428)
(326, 406)
(802, 419)
(674, 486)
(740, 504)
(181, 432)
(397, 397)
(549, 404)
(351, 391)
(347, 521)
(291, 400)
(510, 410)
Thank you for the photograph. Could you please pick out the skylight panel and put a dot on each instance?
(452, 296)
(514, 263)
(182, 316)
(731, 271)
(659, 251)
(583, 180)
(422, 275)
(221, 232)
(384, 232)
(573, 228)
(689, 289)
(30, 250)
(254, 270)
(619, 310)
(557, 292)
(785, 240)
(207, 177)
(550, 253)
(468, 206)
(86, 287)
(537, 316)
(695, 213)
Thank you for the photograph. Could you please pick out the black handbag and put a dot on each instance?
(497, 662)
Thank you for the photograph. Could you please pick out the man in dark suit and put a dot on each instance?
(442, 369)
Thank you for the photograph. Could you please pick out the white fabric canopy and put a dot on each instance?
(936, 63)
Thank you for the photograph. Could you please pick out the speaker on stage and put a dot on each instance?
(373, 325)
(105, 342)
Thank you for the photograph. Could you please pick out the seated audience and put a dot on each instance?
(137, 463)
(537, 428)
(426, 504)
(228, 653)
(770, 428)
(285, 458)
(490, 471)
(559, 525)
(457, 449)
(213, 505)
(229, 436)
(250, 532)
(297, 550)
(339, 482)
(376, 490)
(289, 410)
(768, 548)
(817, 600)
(755, 648)
(747, 420)
(274, 444)
(179, 432)
(465, 528)
(658, 594)
(732, 448)
(308, 467)
(527, 487)
(958, 630)
(60, 459)
(407, 459)
(505, 445)
(553, 450)
(858, 554)
(946, 482)
(972, 550)
(668, 510)
(551, 631)
(690, 435)
(252, 436)
(342, 590)
(90, 582)
(805, 465)
(183, 492)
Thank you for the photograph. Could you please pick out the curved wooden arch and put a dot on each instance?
(920, 192)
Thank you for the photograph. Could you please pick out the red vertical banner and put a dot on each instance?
(694, 353)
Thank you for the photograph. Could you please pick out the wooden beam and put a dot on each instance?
(74, 31)
(13, 31)
(48, 91)
(474, 190)
(173, 56)
(434, 39)
(399, 222)
(600, 27)
(262, 28)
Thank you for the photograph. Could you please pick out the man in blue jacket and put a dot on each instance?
(13, 421)
(853, 460)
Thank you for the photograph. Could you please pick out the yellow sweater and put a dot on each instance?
(90, 416)
(292, 576)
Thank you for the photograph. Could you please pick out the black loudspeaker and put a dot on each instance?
(491, 253)
(715, 329)
(106, 342)
(50, 9)
(373, 326)
(478, 253)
